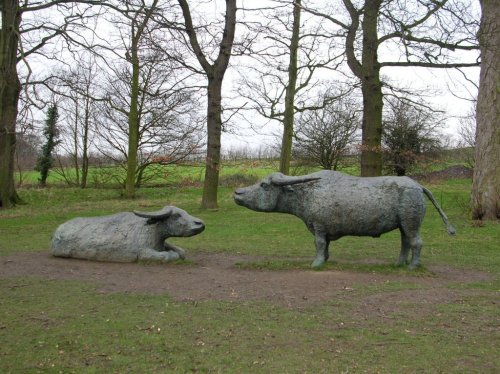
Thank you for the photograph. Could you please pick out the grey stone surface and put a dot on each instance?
(333, 205)
(127, 236)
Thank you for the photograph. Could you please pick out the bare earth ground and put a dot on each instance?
(214, 276)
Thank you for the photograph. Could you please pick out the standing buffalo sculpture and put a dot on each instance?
(126, 236)
(333, 205)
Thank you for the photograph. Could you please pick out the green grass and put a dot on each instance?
(50, 326)
(67, 326)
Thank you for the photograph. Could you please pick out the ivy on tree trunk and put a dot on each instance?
(50, 132)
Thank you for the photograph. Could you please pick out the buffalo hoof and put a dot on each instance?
(317, 263)
(401, 263)
(169, 256)
(181, 253)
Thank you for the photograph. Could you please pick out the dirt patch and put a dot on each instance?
(214, 276)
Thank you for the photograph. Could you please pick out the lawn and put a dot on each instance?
(387, 320)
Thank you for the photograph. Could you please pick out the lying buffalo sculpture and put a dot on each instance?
(333, 205)
(127, 236)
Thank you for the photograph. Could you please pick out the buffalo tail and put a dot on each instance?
(451, 230)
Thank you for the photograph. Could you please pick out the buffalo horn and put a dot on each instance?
(158, 215)
(284, 180)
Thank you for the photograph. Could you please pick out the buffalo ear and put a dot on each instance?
(152, 221)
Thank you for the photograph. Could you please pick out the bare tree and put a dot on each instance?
(410, 132)
(290, 91)
(290, 51)
(78, 89)
(325, 135)
(27, 146)
(214, 72)
(425, 34)
(486, 178)
(138, 14)
(18, 41)
(169, 123)
(10, 88)
(467, 133)
(28, 141)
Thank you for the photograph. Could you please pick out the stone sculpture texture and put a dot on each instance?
(126, 236)
(333, 205)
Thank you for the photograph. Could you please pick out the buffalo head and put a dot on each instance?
(174, 221)
(263, 196)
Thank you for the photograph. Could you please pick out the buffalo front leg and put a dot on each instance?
(148, 254)
(171, 247)
(322, 254)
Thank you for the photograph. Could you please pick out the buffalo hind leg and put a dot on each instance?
(405, 250)
(410, 239)
(416, 246)
(322, 254)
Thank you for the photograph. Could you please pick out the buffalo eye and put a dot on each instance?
(264, 185)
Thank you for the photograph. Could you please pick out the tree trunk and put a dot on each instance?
(215, 74)
(371, 87)
(214, 126)
(85, 144)
(140, 175)
(486, 179)
(133, 125)
(371, 138)
(289, 113)
(85, 158)
(286, 142)
(75, 144)
(10, 89)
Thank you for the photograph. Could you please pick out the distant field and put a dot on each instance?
(193, 173)
(187, 174)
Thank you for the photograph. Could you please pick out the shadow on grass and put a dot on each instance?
(276, 265)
